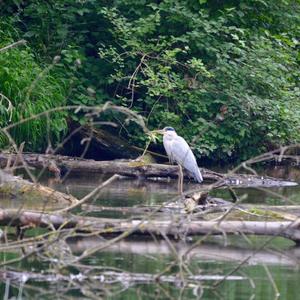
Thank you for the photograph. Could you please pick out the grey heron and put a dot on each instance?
(180, 152)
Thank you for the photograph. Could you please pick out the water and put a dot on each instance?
(258, 267)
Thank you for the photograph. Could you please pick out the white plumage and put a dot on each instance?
(180, 152)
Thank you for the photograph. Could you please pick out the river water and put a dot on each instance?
(257, 267)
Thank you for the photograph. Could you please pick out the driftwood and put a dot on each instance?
(134, 168)
(218, 204)
(172, 228)
(15, 187)
(288, 212)
(110, 277)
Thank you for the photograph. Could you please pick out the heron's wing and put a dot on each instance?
(183, 155)
(182, 152)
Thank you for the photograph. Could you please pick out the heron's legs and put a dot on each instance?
(180, 180)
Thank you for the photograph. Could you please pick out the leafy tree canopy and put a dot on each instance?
(225, 74)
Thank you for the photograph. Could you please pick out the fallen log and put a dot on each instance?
(286, 229)
(133, 168)
(14, 187)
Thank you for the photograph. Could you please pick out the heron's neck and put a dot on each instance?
(170, 135)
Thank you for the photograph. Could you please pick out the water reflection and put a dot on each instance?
(122, 189)
(129, 192)
(208, 252)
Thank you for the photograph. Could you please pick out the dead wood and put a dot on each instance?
(207, 211)
(172, 228)
(110, 277)
(290, 209)
(219, 205)
(16, 187)
(134, 168)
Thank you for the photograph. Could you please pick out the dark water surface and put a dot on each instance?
(258, 267)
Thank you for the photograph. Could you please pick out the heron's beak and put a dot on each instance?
(153, 135)
(158, 131)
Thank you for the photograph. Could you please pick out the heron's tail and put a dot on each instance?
(198, 176)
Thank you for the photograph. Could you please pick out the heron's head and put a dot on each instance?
(169, 129)
(166, 130)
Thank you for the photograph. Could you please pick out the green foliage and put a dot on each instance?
(223, 73)
(194, 64)
(26, 90)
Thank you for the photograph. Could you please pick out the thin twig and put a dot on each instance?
(13, 45)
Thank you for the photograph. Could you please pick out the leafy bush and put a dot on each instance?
(193, 65)
(223, 73)
(28, 89)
